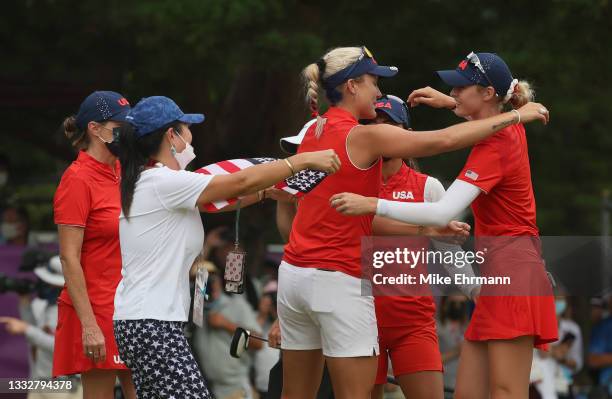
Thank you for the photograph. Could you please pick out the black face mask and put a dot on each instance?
(456, 310)
(113, 146)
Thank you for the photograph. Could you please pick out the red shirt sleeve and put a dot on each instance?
(483, 168)
(72, 201)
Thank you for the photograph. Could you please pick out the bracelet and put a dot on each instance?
(289, 165)
(517, 114)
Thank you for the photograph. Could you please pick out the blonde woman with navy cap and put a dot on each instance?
(161, 233)
(323, 316)
(496, 182)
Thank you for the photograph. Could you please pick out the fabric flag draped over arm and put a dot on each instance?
(297, 185)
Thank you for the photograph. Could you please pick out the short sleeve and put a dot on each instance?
(483, 168)
(180, 189)
(599, 339)
(72, 201)
(434, 190)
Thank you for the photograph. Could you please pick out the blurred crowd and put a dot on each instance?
(578, 365)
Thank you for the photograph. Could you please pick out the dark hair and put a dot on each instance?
(414, 164)
(444, 304)
(134, 154)
(78, 138)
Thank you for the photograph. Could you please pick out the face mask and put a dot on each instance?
(113, 145)
(3, 178)
(184, 157)
(560, 306)
(9, 230)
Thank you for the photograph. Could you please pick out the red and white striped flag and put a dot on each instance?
(297, 185)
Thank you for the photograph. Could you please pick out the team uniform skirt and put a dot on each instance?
(508, 317)
(69, 356)
(526, 307)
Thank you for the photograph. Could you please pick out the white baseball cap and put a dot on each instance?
(290, 144)
(52, 272)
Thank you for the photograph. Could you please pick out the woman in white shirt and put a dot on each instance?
(161, 233)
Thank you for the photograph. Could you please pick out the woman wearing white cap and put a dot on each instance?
(496, 181)
(323, 316)
(161, 233)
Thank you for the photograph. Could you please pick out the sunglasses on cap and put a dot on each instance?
(474, 60)
(364, 53)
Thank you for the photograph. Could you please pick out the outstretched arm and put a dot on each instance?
(458, 197)
(367, 143)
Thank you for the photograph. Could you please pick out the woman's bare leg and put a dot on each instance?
(422, 385)
(509, 367)
(302, 373)
(127, 385)
(473, 371)
(99, 384)
(352, 377)
(378, 392)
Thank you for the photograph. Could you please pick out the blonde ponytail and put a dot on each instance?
(523, 93)
(311, 77)
(333, 61)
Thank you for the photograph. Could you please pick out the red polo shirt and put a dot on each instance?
(88, 196)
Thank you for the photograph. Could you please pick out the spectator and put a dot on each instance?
(266, 357)
(217, 244)
(568, 349)
(13, 348)
(598, 310)
(600, 352)
(38, 323)
(451, 327)
(553, 371)
(15, 226)
(228, 377)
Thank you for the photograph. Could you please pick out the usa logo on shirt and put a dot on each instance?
(403, 195)
(470, 174)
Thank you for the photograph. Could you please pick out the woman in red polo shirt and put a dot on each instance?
(323, 316)
(86, 211)
(504, 328)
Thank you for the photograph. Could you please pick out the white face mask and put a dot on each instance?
(186, 156)
(9, 230)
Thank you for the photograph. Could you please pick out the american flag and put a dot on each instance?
(297, 185)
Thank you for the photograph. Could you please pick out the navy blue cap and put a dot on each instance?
(365, 64)
(395, 108)
(467, 73)
(153, 113)
(102, 106)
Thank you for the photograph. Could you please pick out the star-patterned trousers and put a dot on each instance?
(161, 361)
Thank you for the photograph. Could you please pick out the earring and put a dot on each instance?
(172, 150)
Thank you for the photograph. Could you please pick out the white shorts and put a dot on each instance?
(321, 309)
